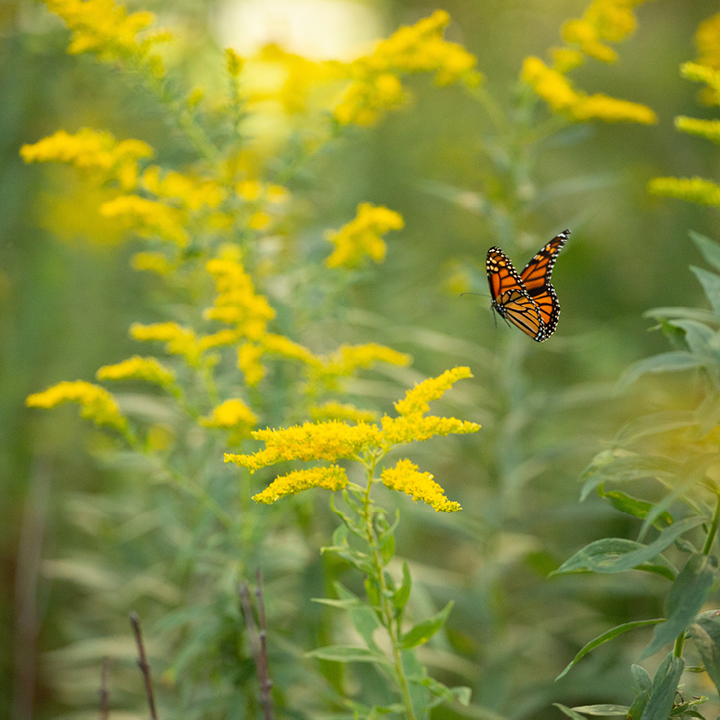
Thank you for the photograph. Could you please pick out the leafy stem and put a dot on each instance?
(710, 539)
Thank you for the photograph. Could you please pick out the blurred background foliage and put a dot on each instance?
(66, 302)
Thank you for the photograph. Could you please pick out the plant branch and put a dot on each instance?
(143, 664)
(713, 528)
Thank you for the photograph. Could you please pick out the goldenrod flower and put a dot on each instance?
(97, 403)
(416, 428)
(148, 218)
(178, 340)
(230, 414)
(552, 86)
(334, 410)
(331, 478)
(707, 41)
(152, 261)
(148, 369)
(585, 35)
(609, 109)
(405, 477)
(249, 355)
(362, 236)
(311, 441)
(696, 189)
(250, 190)
(280, 345)
(236, 302)
(104, 28)
(92, 151)
(417, 399)
(709, 129)
(191, 192)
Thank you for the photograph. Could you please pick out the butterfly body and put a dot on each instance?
(527, 299)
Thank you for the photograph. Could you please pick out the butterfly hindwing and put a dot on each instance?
(528, 300)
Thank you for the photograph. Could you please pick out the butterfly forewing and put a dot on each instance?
(528, 300)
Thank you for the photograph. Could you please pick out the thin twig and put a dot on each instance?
(258, 641)
(142, 663)
(104, 693)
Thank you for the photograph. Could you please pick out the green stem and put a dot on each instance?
(391, 624)
(679, 642)
(713, 528)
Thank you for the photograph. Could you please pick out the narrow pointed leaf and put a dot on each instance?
(604, 710)
(423, 631)
(665, 362)
(570, 713)
(709, 248)
(361, 615)
(608, 635)
(664, 687)
(347, 653)
(402, 594)
(711, 286)
(684, 600)
(643, 682)
(706, 636)
(637, 508)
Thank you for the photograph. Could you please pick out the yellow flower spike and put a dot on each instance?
(152, 262)
(709, 129)
(331, 478)
(609, 109)
(178, 340)
(416, 427)
(259, 220)
(249, 356)
(417, 399)
(97, 403)
(707, 41)
(362, 236)
(280, 345)
(553, 87)
(586, 37)
(230, 414)
(148, 218)
(696, 189)
(138, 368)
(191, 192)
(334, 410)
(404, 477)
(250, 190)
(566, 59)
(104, 28)
(330, 440)
(93, 151)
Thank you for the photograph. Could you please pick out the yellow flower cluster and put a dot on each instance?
(334, 440)
(404, 477)
(376, 85)
(148, 218)
(362, 236)
(331, 478)
(92, 151)
(229, 415)
(707, 41)
(603, 21)
(334, 410)
(236, 302)
(148, 369)
(190, 192)
(104, 28)
(178, 340)
(153, 262)
(709, 129)
(695, 189)
(97, 403)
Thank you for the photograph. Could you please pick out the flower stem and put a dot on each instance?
(388, 614)
(713, 528)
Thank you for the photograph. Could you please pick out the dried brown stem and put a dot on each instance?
(143, 664)
(258, 641)
(104, 693)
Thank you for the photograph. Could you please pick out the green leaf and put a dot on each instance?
(612, 555)
(339, 537)
(459, 694)
(709, 248)
(387, 549)
(637, 508)
(664, 687)
(638, 706)
(607, 635)
(672, 313)
(372, 591)
(570, 713)
(701, 340)
(361, 615)
(604, 710)
(711, 287)
(342, 604)
(684, 600)
(654, 424)
(706, 636)
(402, 594)
(665, 362)
(347, 653)
(423, 631)
(643, 682)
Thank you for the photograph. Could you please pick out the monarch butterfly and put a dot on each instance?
(527, 300)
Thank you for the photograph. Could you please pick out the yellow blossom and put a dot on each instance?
(104, 28)
(221, 337)
(334, 410)
(695, 189)
(417, 399)
(362, 236)
(404, 477)
(707, 41)
(565, 59)
(586, 37)
(249, 190)
(139, 368)
(552, 86)
(178, 340)
(416, 428)
(148, 218)
(192, 193)
(259, 220)
(280, 345)
(152, 261)
(249, 355)
(93, 151)
(232, 415)
(236, 302)
(331, 478)
(97, 403)
(330, 440)
(609, 109)
(709, 129)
